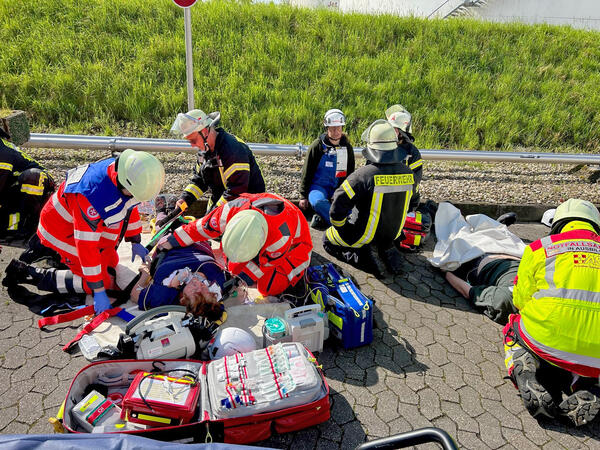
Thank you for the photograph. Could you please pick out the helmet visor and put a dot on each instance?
(185, 125)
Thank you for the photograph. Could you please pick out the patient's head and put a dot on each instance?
(198, 299)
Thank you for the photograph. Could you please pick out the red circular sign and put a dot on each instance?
(184, 3)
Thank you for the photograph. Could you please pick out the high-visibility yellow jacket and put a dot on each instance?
(557, 293)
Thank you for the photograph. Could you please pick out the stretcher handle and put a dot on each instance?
(165, 224)
(411, 438)
(150, 314)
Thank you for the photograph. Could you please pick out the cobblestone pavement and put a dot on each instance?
(434, 362)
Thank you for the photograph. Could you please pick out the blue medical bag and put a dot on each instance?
(350, 312)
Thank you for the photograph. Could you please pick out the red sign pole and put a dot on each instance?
(187, 19)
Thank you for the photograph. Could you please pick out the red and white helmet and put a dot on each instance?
(334, 118)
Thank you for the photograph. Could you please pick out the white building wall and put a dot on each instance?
(577, 13)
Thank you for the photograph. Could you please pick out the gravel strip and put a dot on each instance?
(473, 182)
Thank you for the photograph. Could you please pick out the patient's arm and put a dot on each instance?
(459, 284)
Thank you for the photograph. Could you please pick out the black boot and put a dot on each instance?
(318, 223)
(393, 260)
(581, 407)
(507, 219)
(536, 397)
(370, 262)
(17, 272)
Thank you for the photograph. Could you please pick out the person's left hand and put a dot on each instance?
(164, 244)
(138, 250)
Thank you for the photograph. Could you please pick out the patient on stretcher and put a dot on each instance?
(187, 276)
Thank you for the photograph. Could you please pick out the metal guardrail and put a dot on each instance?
(78, 142)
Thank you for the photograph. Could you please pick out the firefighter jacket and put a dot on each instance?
(371, 204)
(332, 175)
(13, 162)
(557, 293)
(286, 253)
(229, 170)
(84, 218)
(24, 188)
(415, 163)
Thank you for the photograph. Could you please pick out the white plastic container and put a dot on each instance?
(306, 325)
(95, 413)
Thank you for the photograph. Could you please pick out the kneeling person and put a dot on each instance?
(24, 188)
(83, 222)
(369, 208)
(265, 240)
(557, 294)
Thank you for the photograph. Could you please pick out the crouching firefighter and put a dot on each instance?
(553, 344)
(265, 240)
(225, 164)
(24, 188)
(84, 221)
(369, 208)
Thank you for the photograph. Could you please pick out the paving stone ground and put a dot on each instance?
(434, 361)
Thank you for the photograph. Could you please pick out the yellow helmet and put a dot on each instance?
(575, 209)
(141, 174)
(244, 236)
(382, 144)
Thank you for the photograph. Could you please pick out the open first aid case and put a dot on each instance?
(237, 399)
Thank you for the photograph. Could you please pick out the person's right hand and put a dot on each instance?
(101, 302)
(179, 204)
(303, 204)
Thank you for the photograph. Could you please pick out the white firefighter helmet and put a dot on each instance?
(194, 120)
(229, 341)
(334, 118)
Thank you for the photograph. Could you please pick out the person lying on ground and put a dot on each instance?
(552, 345)
(83, 223)
(265, 240)
(488, 282)
(328, 162)
(187, 276)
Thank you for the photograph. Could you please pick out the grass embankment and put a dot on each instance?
(118, 67)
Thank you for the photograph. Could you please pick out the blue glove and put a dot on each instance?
(101, 302)
(138, 250)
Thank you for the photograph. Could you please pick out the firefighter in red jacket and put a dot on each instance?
(265, 239)
(83, 222)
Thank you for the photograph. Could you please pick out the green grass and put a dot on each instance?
(118, 67)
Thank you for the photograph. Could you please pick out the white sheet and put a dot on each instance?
(463, 239)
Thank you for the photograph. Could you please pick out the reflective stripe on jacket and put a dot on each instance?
(558, 294)
(371, 204)
(284, 256)
(70, 225)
